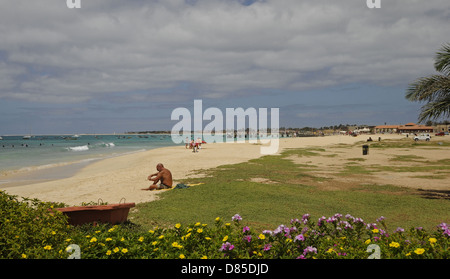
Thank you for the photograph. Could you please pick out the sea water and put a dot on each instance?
(19, 154)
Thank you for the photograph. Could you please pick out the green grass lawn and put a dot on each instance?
(290, 192)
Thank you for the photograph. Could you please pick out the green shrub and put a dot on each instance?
(29, 230)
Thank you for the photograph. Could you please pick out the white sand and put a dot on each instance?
(123, 177)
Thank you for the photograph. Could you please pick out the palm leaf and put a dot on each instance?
(442, 60)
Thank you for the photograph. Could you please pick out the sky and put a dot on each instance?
(125, 65)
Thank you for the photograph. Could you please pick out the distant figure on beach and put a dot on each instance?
(163, 175)
(194, 146)
(370, 139)
(199, 143)
(187, 142)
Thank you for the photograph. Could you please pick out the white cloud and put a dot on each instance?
(221, 47)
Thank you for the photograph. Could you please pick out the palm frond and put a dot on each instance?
(434, 110)
(442, 60)
(429, 88)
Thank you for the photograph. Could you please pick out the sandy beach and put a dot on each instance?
(114, 179)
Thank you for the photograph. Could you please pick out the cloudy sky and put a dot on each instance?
(125, 65)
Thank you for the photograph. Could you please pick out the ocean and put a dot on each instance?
(19, 154)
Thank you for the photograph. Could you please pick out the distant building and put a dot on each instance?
(386, 129)
(412, 128)
(409, 128)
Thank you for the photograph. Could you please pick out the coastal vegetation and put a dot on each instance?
(273, 207)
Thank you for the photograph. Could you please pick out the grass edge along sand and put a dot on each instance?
(273, 189)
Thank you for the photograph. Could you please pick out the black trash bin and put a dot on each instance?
(365, 149)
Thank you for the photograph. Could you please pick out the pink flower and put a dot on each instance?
(236, 217)
(299, 237)
(226, 247)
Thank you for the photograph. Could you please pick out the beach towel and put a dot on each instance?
(181, 186)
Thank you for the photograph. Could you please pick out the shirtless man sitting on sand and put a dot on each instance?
(164, 175)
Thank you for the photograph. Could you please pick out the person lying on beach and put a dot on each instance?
(163, 175)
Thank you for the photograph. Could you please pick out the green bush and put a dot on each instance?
(29, 230)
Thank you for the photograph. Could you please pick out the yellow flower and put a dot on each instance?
(141, 239)
(48, 247)
(419, 251)
(24, 256)
(375, 231)
(197, 224)
(176, 245)
(111, 229)
(261, 236)
(288, 240)
(122, 239)
(178, 226)
(108, 252)
(53, 232)
(329, 251)
(124, 250)
(152, 232)
(182, 256)
(93, 239)
(432, 240)
(225, 238)
(208, 238)
(154, 243)
(227, 224)
(367, 241)
(409, 254)
(116, 250)
(161, 236)
(108, 239)
(199, 230)
(217, 219)
(204, 258)
(394, 244)
(69, 239)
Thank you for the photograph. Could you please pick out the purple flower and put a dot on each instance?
(337, 215)
(321, 219)
(347, 225)
(267, 247)
(350, 217)
(299, 237)
(226, 247)
(236, 217)
(380, 219)
(305, 218)
(279, 229)
(269, 232)
(399, 230)
(248, 238)
(245, 229)
(443, 226)
(447, 232)
(310, 249)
